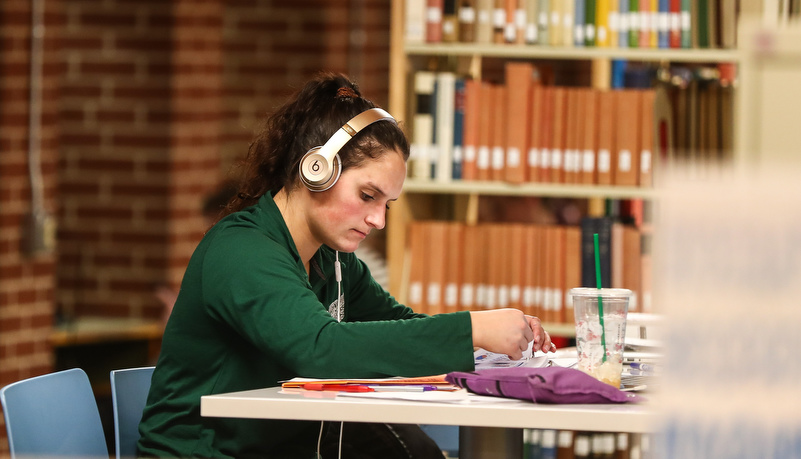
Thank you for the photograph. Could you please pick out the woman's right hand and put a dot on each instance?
(508, 331)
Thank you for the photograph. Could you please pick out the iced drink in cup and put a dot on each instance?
(588, 331)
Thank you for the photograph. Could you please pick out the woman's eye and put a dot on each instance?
(367, 197)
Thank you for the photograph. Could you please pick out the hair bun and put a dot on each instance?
(346, 93)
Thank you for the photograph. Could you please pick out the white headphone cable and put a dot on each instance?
(338, 275)
(341, 428)
(319, 440)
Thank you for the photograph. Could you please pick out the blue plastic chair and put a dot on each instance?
(53, 415)
(129, 388)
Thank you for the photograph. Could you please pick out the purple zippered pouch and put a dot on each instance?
(540, 385)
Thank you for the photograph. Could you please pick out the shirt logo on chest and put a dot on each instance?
(332, 309)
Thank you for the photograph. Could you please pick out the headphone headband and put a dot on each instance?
(320, 167)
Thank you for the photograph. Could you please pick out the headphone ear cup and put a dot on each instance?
(318, 173)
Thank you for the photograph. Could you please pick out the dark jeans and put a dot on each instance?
(386, 441)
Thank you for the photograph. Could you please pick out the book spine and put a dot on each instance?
(467, 21)
(450, 21)
(458, 128)
(590, 11)
(603, 227)
(423, 124)
(623, 24)
(663, 24)
(532, 17)
(543, 21)
(415, 21)
(579, 24)
(685, 23)
(434, 9)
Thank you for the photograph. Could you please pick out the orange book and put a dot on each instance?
(559, 134)
(499, 21)
(644, 40)
(606, 137)
(472, 114)
(435, 281)
(510, 31)
(617, 258)
(519, 80)
(485, 132)
(454, 265)
(497, 266)
(540, 285)
(632, 265)
(645, 274)
(546, 135)
(471, 260)
(484, 266)
(626, 160)
(573, 127)
(589, 136)
(505, 284)
(558, 293)
(498, 134)
(548, 245)
(647, 147)
(418, 263)
(529, 276)
(572, 268)
(535, 133)
(516, 255)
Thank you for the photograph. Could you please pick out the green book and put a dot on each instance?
(590, 22)
(686, 24)
(703, 23)
(634, 23)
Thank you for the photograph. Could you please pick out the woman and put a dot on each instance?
(261, 300)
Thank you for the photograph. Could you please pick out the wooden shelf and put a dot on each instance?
(527, 189)
(97, 330)
(574, 53)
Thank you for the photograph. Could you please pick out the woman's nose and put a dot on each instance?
(377, 219)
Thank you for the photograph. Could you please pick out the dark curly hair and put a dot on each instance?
(307, 120)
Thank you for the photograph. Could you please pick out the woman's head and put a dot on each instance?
(308, 120)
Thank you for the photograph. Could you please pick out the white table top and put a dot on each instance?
(269, 403)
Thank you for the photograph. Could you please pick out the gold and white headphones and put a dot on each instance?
(320, 167)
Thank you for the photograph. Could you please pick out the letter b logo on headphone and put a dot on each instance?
(320, 167)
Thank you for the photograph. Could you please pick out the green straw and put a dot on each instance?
(600, 300)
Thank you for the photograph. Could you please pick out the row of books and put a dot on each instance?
(568, 444)
(524, 131)
(601, 23)
(454, 266)
(701, 100)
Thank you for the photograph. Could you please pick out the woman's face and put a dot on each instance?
(344, 215)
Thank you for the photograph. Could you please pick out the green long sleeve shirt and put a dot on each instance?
(248, 316)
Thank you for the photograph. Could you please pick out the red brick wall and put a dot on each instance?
(196, 111)
(272, 47)
(27, 280)
(115, 156)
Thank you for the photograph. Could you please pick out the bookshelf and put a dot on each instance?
(498, 188)
(574, 53)
(458, 200)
